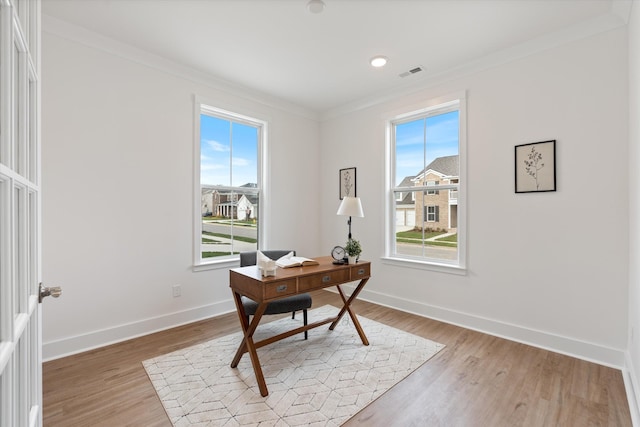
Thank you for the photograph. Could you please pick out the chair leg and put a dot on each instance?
(293, 315)
(304, 316)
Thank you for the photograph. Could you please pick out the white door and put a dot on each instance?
(20, 324)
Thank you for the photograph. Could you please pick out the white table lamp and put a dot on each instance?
(350, 206)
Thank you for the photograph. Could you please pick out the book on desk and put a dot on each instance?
(295, 261)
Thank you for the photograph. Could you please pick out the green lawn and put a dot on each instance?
(453, 238)
(418, 234)
(236, 222)
(227, 236)
(416, 237)
(205, 240)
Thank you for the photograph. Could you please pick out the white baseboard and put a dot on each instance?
(77, 344)
(559, 344)
(583, 350)
(629, 373)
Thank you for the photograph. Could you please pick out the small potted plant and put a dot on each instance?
(353, 250)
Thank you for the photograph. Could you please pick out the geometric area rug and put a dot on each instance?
(322, 381)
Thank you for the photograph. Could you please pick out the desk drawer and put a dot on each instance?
(323, 280)
(278, 289)
(360, 271)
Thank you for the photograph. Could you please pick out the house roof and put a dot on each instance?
(446, 166)
(407, 181)
(406, 197)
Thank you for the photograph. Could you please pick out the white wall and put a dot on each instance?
(633, 353)
(117, 158)
(550, 268)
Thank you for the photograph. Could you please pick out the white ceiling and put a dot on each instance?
(321, 61)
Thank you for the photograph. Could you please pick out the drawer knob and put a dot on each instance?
(281, 288)
(361, 271)
(326, 279)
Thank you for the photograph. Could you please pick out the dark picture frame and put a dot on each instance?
(535, 167)
(347, 182)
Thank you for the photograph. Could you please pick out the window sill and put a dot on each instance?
(217, 265)
(425, 265)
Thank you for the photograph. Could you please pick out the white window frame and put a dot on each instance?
(433, 106)
(431, 213)
(204, 107)
(432, 183)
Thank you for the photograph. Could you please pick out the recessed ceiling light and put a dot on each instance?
(315, 6)
(378, 61)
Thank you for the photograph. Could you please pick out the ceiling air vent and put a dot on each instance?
(412, 71)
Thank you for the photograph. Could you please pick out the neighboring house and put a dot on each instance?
(438, 209)
(247, 207)
(225, 204)
(405, 205)
(210, 200)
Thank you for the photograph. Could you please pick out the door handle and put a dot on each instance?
(53, 291)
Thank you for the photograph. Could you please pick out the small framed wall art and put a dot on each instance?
(536, 167)
(347, 182)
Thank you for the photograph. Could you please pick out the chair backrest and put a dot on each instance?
(249, 258)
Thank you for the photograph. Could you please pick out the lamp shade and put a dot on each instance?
(351, 206)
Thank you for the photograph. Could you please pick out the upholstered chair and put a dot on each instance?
(291, 304)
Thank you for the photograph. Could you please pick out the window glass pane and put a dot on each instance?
(32, 143)
(32, 244)
(5, 251)
(18, 216)
(17, 134)
(230, 189)
(410, 144)
(231, 225)
(215, 151)
(427, 231)
(427, 159)
(244, 155)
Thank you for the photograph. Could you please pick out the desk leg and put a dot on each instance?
(247, 344)
(347, 308)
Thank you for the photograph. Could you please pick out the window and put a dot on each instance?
(431, 213)
(426, 159)
(432, 184)
(229, 185)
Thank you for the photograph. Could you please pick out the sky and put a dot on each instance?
(228, 152)
(413, 153)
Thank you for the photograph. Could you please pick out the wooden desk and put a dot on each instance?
(248, 281)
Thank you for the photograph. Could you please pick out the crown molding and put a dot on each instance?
(618, 17)
(432, 78)
(91, 39)
(622, 9)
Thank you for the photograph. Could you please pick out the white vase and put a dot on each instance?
(352, 259)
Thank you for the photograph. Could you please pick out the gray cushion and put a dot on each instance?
(284, 305)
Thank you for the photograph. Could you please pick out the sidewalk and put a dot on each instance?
(440, 236)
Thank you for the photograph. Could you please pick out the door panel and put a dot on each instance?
(20, 324)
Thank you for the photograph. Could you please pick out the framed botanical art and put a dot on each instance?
(536, 167)
(347, 182)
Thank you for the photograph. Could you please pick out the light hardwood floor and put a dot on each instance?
(477, 380)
